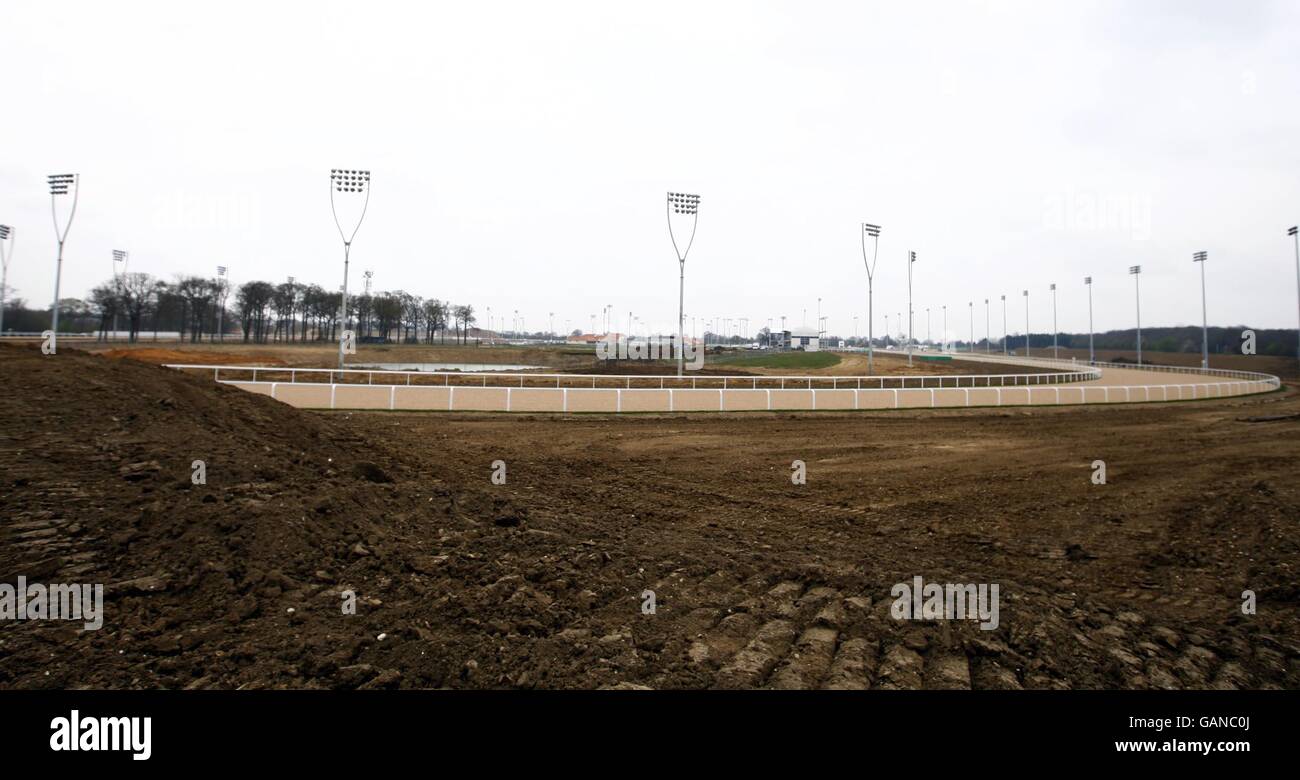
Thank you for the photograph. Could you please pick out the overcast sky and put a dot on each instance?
(521, 152)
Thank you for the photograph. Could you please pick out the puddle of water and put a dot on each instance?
(466, 367)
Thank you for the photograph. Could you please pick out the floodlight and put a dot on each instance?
(872, 231)
(1135, 271)
(61, 184)
(7, 235)
(687, 205)
(356, 182)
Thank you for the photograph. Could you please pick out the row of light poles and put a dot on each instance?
(354, 184)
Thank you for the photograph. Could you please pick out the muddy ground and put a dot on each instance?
(539, 582)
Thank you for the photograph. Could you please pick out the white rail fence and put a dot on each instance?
(645, 381)
(538, 392)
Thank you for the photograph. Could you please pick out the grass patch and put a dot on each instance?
(780, 360)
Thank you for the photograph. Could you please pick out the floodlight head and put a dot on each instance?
(221, 270)
(1135, 269)
(871, 230)
(1052, 286)
(683, 203)
(1087, 280)
(911, 257)
(1199, 257)
(1025, 293)
(119, 256)
(61, 182)
(4, 232)
(1004, 297)
(349, 180)
(1291, 231)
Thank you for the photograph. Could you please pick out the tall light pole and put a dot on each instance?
(911, 260)
(1056, 355)
(1004, 326)
(1092, 355)
(872, 232)
(1292, 232)
(7, 235)
(1026, 294)
(221, 302)
(928, 340)
(60, 184)
(1199, 257)
(354, 183)
(1136, 272)
(944, 346)
(119, 256)
(687, 206)
(971, 306)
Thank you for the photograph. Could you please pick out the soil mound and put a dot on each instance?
(205, 584)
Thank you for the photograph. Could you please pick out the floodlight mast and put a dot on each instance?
(221, 302)
(60, 184)
(119, 256)
(1136, 272)
(971, 313)
(1199, 257)
(1055, 354)
(689, 205)
(911, 259)
(1026, 294)
(874, 232)
(7, 236)
(1004, 326)
(1092, 355)
(351, 181)
(1292, 231)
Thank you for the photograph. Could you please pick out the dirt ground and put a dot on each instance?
(541, 582)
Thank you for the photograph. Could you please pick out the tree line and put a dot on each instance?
(257, 312)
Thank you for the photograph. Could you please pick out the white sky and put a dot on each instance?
(521, 151)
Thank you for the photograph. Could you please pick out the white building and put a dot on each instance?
(807, 339)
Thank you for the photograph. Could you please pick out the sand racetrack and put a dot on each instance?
(538, 583)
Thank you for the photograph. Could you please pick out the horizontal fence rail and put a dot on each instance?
(365, 376)
(1070, 382)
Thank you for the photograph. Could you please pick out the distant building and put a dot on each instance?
(806, 339)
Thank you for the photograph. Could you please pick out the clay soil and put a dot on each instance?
(541, 582)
